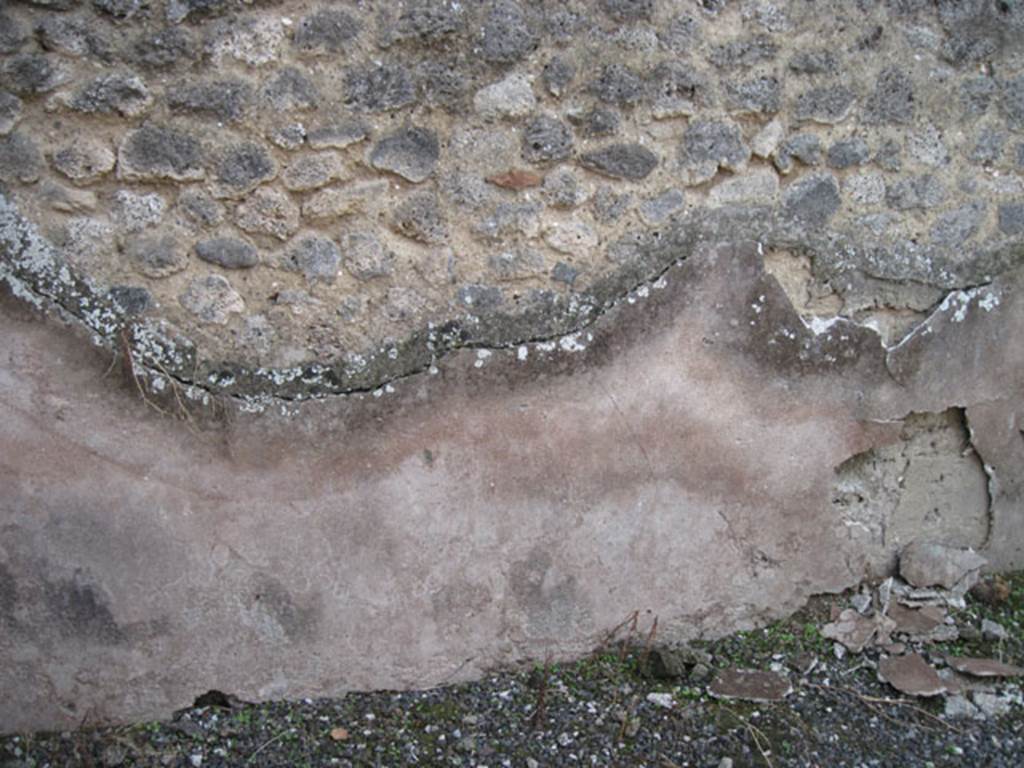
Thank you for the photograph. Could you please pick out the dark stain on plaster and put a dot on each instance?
(297, 618)
(551, 601)
(81, 611)
(8, 595)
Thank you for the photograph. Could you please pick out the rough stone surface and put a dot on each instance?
(227, 252)
(84, 160)
(317, 258)
(411, 153)
(546, 139)
(157, 256)
(511, 97)
(156, 152)
(811, 296)
(212, 299)
(268, 212)
(622, 161)
(929, 564)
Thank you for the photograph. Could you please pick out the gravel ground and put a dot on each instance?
(596, 711)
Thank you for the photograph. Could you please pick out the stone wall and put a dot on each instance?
(429, 336)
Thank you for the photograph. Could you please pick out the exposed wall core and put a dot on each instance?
(380, 343)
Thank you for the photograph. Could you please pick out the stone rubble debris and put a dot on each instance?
(911, 674)
(983, 667)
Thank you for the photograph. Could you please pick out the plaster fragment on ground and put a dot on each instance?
(978, 667)
(911, 674)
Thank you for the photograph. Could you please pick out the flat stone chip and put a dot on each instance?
(851, 629)
(911, 675)
(983, 667)
(749, 685)
(916, 621)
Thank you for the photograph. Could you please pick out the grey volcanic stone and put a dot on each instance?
(157, 256)
(420, 217)
(611, 205)
(892, 101)
(958, 226)
(199, 208)
(83, 160)
(562, 189)
(426, 21)
(564, 273)
(623, 161)
(179, 10)
(326, 31)
(411, 153)
(336, 135)
(212, 299)
(676, 89)
(628, 10)
(812, 200)
(123, 93)
(157, 151)
(744, 52)
(557, 75)
(312, 171)
(242, 167)
(316, 257)
(976, 94)
(848, 153)
(680, 34)
(618, 84)
(546, 139)
(379, 88)
(70, 36)
(132, 299)
(10, 112)
(443, 83)
(163, 48)
(268, 211)
(517, 264)
(135, 211)
(826, 104)
(120, 9)
(599, 121)
(31, 73)
(890, 155)
(508, 33)
(227, 252)
(989, 146)
(714, 142)
(226, 100)
(20, 159)
(1011, 102)
(365, 257)
(12, 34)
(660, 208)
(760, 95)
(480, 297)
(915, 193)
(290, 90)
(1011, 219)
(817, 62)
